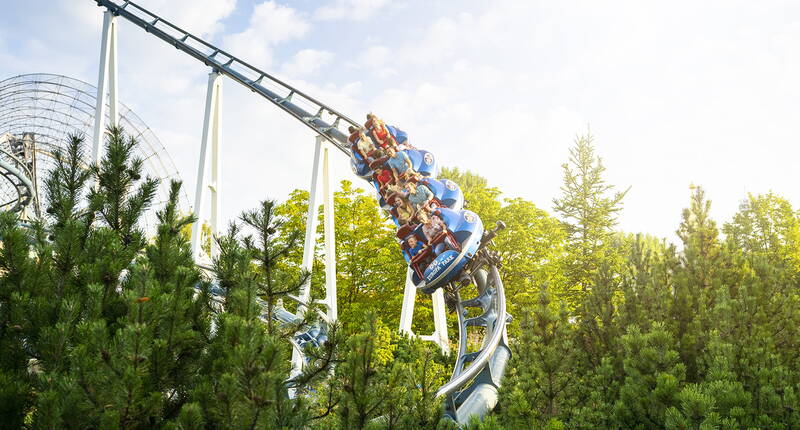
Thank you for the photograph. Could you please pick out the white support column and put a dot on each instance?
(409, 298)
(216, 165)
(113, 75)
(108, 66)
(440, 321)
(311, 226)
(210, 132)
(330, 235)
(321, 164)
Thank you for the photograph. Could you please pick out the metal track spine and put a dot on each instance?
(238, 70)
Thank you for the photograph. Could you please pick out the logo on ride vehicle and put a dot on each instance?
(428, 158)
(438, 266)
(450, 185)
(469, 216)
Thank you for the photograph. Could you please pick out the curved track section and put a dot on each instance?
(38, 113)
(17, 190)
(472, 390)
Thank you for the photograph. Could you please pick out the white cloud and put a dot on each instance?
(200, 17)
(377, 59)
(270, 24)
(355, 10)
(306, 62)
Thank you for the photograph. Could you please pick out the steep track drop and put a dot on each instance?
(472, 389)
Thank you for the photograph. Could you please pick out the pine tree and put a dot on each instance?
(266, 252)
(540, 384)
(697, 281)
(653, 377)
(589, 214)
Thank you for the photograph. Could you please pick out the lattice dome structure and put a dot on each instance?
(38, 114)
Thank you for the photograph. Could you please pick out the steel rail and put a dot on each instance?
(154, 24)
(21, 175)
(498, 331)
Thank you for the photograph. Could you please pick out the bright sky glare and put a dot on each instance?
(675, 93)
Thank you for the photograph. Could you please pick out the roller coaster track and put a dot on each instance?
(17, 173)
(472, 389)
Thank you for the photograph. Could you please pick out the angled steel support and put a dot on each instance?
(106, 81)
(330, 234)
(321, 165)
(407, 312)
(211, 134)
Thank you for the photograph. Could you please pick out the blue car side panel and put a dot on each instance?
(450, 217)
(360, 167)
(439, 264)
(452, 196)
(400, 136)
(423, 161)
(447, 191)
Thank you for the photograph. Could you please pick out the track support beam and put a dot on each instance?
(329, 227)
(106, 82)
(211, 134)
(322, 150)
(439, 335)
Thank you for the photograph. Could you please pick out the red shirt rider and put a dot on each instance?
(379, 132)
(384, 177)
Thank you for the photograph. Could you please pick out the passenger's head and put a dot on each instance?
(352, 129)
(411, 187)
(412, 241)
(391, 151)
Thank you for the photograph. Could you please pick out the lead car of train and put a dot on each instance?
(439, 237)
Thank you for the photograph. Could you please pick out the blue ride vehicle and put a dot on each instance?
(446, 194)
(360, 167)
(422, 161)
(400, 136)
(445, 256)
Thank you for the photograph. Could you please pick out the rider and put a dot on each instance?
(361, 143)
(432, 227)
(379, 131)
(405, 211)
(419, 196)
(400, 164)
(414, 246)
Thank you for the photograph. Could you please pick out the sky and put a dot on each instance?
(675, 93)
